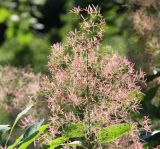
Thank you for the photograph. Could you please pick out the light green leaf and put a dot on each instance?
(31, 130)
(75, 130)
(3, 129)
(23, 112)
(4, 13)
(30, 139)
(15, 143)
(136, 94)
(74, 143)
(72, 131)
(17, 119)
(28, 133)
(56, 142)
(113, 132)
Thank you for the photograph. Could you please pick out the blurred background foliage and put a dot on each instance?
(29, 27)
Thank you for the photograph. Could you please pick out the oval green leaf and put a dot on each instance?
(113, 132)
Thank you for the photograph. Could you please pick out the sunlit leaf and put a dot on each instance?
(4, 13)
(15, 143)
(75, 130)
(32, 137)
(31, 130)
(28, 133)
(23, 112)
(3, 129)
(17, 119)
(56, 142)
(113, 132)
(74, 143)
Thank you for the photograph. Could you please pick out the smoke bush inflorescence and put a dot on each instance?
(91, 87)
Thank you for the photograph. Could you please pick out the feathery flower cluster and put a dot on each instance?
(142, 16)
(145, 18)
(86, 85)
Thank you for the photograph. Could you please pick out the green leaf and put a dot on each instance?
(17, 119)
(75, 130)
(32, 137)
(23, 112)
(136, 94)
(25, 38)
(56, 142)
(74, 143)
(3, 129)
(4, 13)
(31, 130)
(15, 143)
(71, 131)
(113, 132)
(28, 133)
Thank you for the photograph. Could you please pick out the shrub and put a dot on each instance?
(99, 91)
